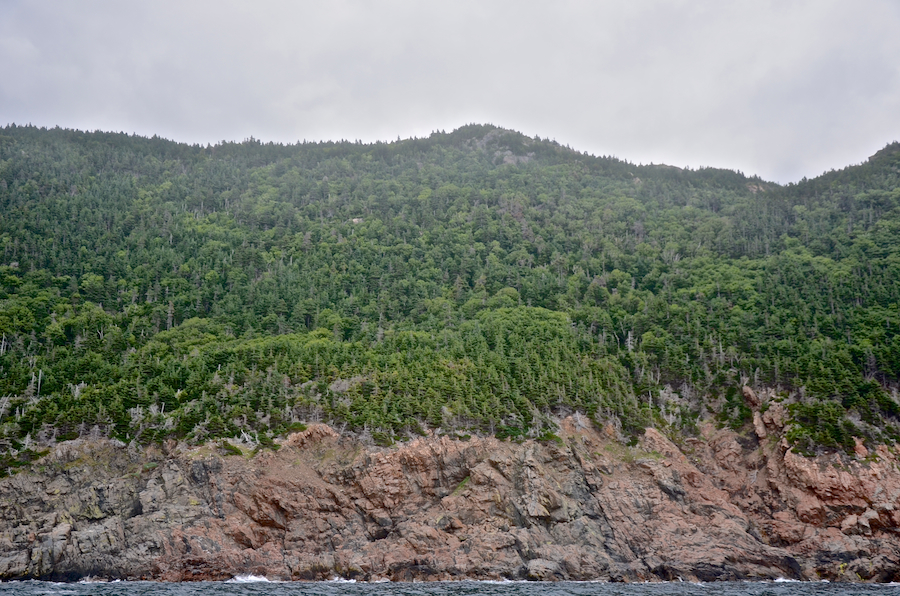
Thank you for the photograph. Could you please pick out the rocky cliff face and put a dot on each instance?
(723, 506)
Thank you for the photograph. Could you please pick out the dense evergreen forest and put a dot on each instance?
(474, 281)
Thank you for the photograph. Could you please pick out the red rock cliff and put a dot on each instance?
(724, 506)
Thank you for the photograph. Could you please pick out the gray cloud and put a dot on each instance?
(783, 89)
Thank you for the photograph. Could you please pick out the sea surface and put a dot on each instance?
(252, 586)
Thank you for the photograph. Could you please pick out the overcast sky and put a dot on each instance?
(783, 89)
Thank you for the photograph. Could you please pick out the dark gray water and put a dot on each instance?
(444, 589)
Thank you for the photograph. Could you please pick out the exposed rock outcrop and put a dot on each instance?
(724, 506)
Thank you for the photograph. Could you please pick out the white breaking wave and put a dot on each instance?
(246, 579)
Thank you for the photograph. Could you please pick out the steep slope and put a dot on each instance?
(477, 281)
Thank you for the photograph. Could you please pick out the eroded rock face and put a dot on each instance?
(722, 507)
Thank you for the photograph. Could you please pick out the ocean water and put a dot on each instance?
(251, 586)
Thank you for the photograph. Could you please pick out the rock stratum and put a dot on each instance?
(722, 506)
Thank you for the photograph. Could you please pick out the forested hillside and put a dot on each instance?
(476, 281)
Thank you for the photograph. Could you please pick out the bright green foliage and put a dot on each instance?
(473, 280)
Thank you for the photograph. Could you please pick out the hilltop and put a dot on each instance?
(473, 282)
